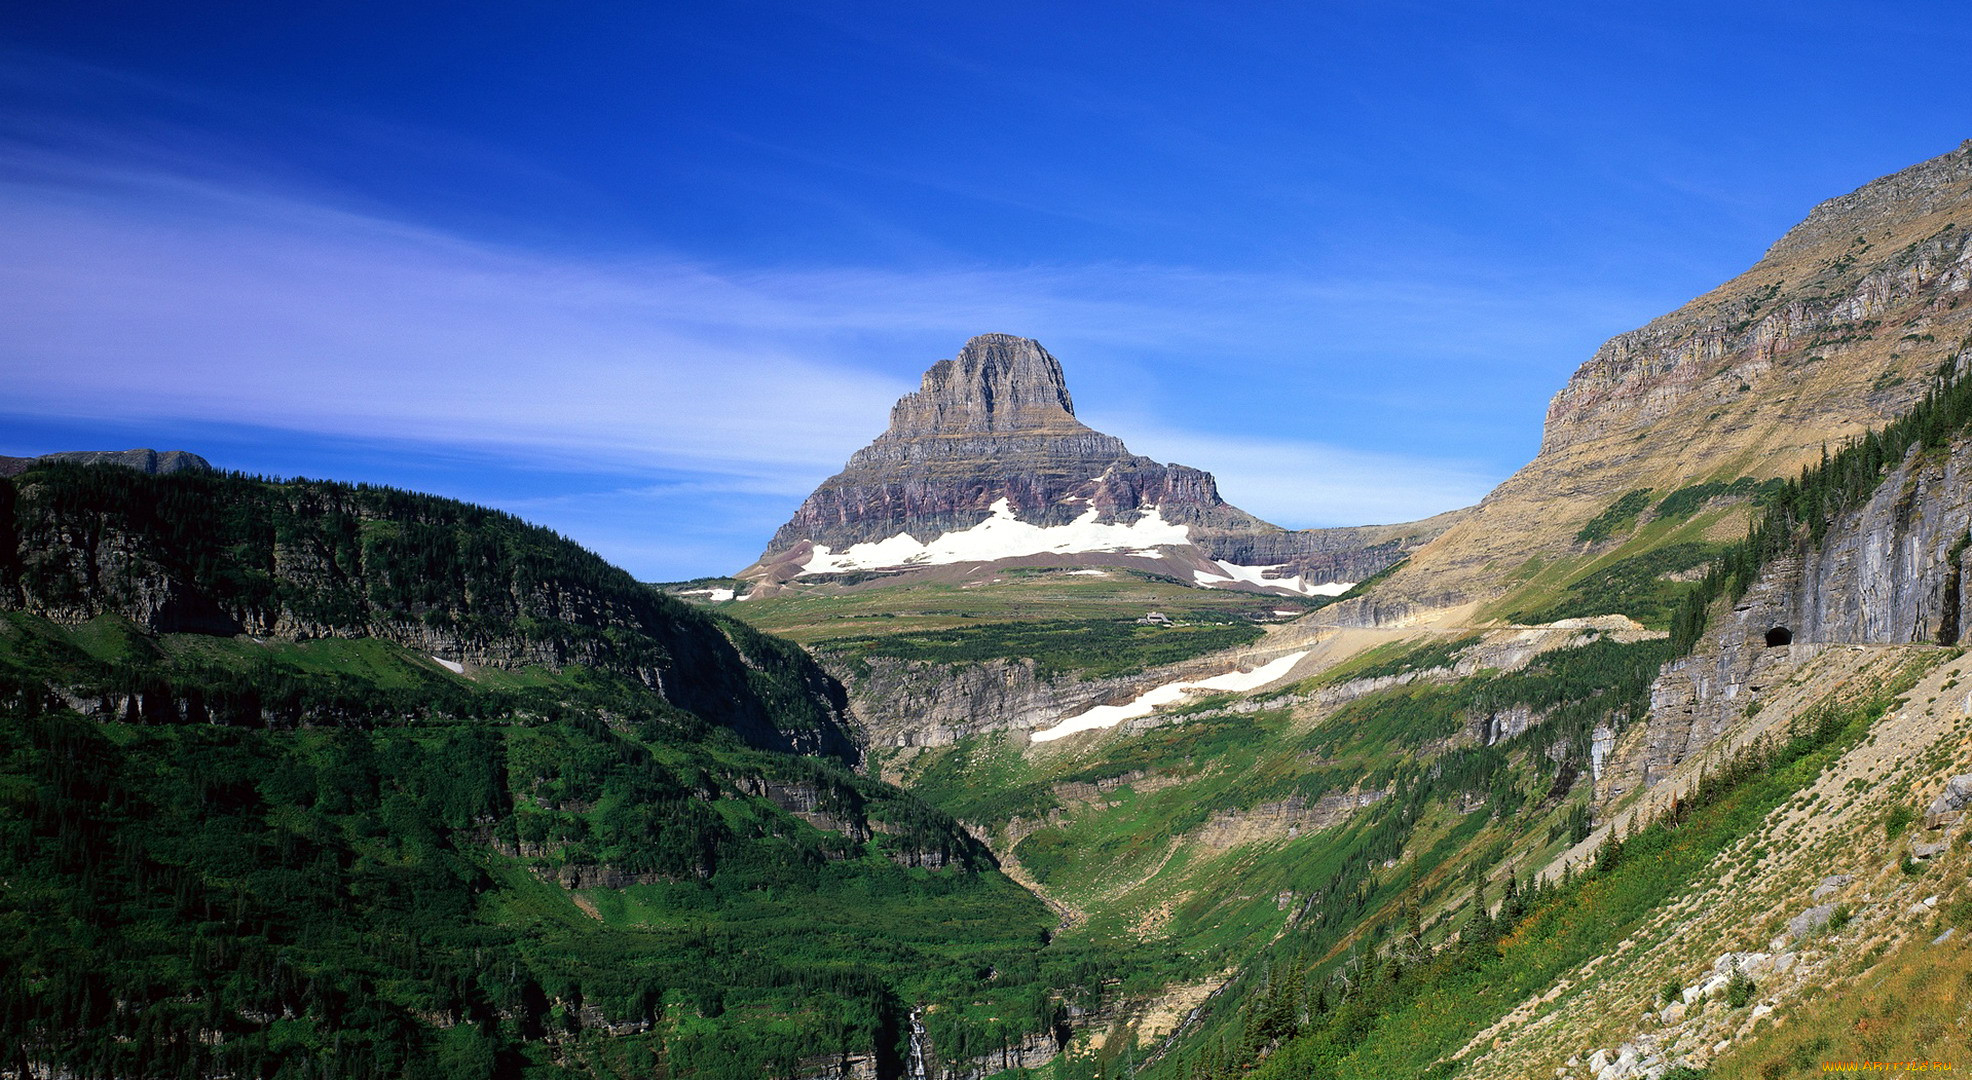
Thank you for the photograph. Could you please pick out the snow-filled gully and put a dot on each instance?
(1103, 716)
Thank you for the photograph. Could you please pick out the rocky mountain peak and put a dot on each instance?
(988, 460)
(999, 384)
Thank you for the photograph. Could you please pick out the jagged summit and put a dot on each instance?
(998, 384)
(986, 462)
(1940, 184)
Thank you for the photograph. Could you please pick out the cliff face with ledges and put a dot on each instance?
(995, 423)
(917, 703)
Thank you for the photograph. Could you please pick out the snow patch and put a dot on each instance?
(1090, 573)
(1004, 536)
(456, 669)
(1103, 716)
(1229, 572)
(717, 596)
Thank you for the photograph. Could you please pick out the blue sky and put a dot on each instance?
(646, 273)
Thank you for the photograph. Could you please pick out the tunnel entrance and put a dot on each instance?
(1778, 636)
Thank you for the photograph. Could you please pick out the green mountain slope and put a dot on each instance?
(322, 851)
(1486, 851)
(1503, 927)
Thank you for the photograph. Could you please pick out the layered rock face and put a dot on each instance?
(996, 422)
(992, 434)
(1835, 330)
(1890, 572)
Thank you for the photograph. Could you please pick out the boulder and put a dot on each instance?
(1752, 963)
(1810, 920)
(1705, 988)
(1949, 805)
(1830, 885)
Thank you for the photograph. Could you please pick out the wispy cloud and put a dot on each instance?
(148, 295)
(138, 291)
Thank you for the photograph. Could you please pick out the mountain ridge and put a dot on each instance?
(149, 462)
(1830, 333)
(226, 555)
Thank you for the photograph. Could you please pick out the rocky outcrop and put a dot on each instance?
(1032, 1051)
(918, 703)
(1888, 573)
(1893, 574)
(996, 424)
(1639, 377)
(150, 462)
(1950, 804)
(828, 811)
(1284, 819)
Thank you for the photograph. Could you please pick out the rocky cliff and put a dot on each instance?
(991, 439)
(1833, 331)
(1888, 572)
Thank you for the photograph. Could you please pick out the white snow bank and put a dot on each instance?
(1091, 573)
(1103, 716)
(456, 669)
(717, 596)
(1255, 575)
(1004, 536)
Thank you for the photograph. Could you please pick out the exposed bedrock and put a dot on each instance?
(151, 462)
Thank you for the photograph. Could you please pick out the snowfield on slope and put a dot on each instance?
(1254, 575)
(1103, 716)
(1004, 536)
